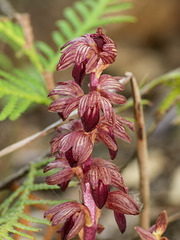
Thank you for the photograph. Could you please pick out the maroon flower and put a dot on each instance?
(65, 105)
(155, 232)
(75, 215)
(86, 52)
(63, 176)
(88, 105)
(76, 145)
(108, 85)
(102, 174)
(107, 131)
(122, 203)
(89, 110)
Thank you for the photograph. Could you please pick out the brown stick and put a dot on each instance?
(142, 153)
(29, 139)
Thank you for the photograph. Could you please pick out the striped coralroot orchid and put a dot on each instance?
(73, 145)
(156, 231)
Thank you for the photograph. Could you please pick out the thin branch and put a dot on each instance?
(49, 80)
(174, 217)
(7, 8)
(21, 172)
(25, 141)
(142, 153)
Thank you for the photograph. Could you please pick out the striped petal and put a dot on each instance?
(144, 234)
(67, 88)
(92, 62)
(62, 176)
(107, 109)
(113, 97)
(122, 202)
(81, 53)
(78, 224)
(108, 82)
(82, 148)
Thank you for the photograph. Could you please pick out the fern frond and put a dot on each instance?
(45, 202)
(5, 62)
(34, 219)
(20, 91)
(13, 208)
(168, 101)
(11, 33)
(28, 228)
(118, 7)
(12, 230)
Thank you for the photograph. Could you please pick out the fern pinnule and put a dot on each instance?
(13, 209)
(19, 91)
(48, 54)
(11, 33)
(73, 18)
(65, 28)
(20, 108)
(118, 7)
(82, 9)
(9, 107)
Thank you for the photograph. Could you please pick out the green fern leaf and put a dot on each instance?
(20, 90)
(35, 220)
(8, 109)
(58, 38)
(44, 48)
(21, 107)
(20, 233)
(11, 33)
(5, 62)
(73, 18)
(168, 101)
(90, 3)
(82, 10)
(118, 7)
(43, 186)
(110, 20)
(28, 228)
(65, 28)
(4, 236)
(45, 202)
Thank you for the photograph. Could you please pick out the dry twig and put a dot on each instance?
(29, 139)
(142, 153)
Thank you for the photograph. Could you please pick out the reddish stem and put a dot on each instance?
(89, 232)
(93, 81)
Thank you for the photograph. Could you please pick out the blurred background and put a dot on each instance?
(148, 48)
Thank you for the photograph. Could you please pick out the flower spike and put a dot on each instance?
(74, 142)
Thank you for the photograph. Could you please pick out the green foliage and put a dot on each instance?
(19, 90)
(13, 209)
(172, 98)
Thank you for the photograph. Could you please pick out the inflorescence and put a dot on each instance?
(73, 145)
